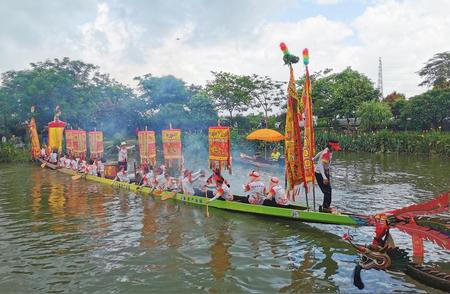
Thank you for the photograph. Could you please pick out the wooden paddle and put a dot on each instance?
(43, 165)
(168, 196)
(76, 177)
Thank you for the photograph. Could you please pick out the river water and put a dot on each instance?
(59, 235)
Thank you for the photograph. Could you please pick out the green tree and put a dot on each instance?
(396, 101)
(436, 72)
(201, 111)
(349, 89)
(374, 115)
(267, 94)
(158, 91)
(428, 110)
(230, 92)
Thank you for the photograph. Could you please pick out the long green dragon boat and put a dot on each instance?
(298, 213)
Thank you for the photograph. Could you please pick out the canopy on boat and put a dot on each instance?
(267, 135)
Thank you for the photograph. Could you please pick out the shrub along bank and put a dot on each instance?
(9, 153)
(431, 142)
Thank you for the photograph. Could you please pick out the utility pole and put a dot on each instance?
(380, 78)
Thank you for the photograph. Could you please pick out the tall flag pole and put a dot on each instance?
(295, 173)
(308, 142)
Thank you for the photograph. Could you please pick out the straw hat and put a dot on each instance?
(254, 174)
(274, 180)
(123, 143)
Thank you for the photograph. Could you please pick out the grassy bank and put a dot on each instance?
(432, 143)
(9, 153)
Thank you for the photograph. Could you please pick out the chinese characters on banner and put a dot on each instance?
(147, 147)
(219, 148)
(96, 144)
(172, 147)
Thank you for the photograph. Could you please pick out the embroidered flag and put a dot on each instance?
(219, 147)
(95, 144)
(172, 147)
(147, 147)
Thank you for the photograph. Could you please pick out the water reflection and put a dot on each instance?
(61, 235)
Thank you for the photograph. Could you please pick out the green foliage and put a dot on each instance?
(436, 72)
(374, 115)
(230, 92)
(433, 143)
(9, 153)
(267, 95)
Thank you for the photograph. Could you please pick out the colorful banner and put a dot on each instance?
(172, 147)
(219, 147)
(79, 143)
(308, 142)
(55, 134)
(34, 139)
(95, 144)
(69, 142)
(295, 172)
(147, 147)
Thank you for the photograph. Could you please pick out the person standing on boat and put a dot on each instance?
(256, 190)
(322, 172)
(277, 192)
(123, 154)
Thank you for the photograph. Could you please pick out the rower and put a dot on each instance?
(222, 191)
(123, 154)
(122, 175)
(256, 190)
(161, 180)
(43, 153)
(322, 172)
(62, 161)
(68, 162)
(188, 180)
(148, 176)
(172, 185)
(74, 163)
(277, 192)
(54, 157)
(100, 167)
(92, 168)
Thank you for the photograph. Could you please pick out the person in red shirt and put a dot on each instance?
(322, 172)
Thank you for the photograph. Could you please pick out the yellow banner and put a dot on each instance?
(34, 138)
(147, 147)
(308, 143)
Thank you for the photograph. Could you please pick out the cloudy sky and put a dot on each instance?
(191, 38)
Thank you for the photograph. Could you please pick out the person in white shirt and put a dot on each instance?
(161, 181)
(123, 154)
(54, 157)
(222, 191)
(100, 167)
(322, 172)
(43, 153)
(74, 163)
(62, 161)
(256, 190)
(92, 168)
(122, 176)
(277, 192)
(68, 162)
(188, 181)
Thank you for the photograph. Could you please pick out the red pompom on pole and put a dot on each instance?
(305, 56)
(284, 48)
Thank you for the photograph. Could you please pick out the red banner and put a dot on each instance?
(172, 147)
(295, 172)
(95, 144)
(219, 147)
(308, 143)
(147, 147)
(79, 143)
(69, 142)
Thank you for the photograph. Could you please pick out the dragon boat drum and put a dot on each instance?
(111, 170)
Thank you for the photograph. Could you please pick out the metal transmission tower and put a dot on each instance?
(380, 77)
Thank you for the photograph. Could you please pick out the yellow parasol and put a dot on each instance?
(267, 135)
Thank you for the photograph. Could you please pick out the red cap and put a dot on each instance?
(254, 174)
(335, 145)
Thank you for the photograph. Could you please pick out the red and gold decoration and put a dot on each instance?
(95, 144)
(79, 144)
(69, 142)
(173, 155)
(147, 147)
(219, 148)
(295, 172)
(34, 138)
(55, 132)
(308, 142)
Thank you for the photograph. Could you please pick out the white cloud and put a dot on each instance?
(327, 2)
(199, 36)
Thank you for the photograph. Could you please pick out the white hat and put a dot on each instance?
(123, 143)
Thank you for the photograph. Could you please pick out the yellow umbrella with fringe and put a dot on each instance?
(266, 135)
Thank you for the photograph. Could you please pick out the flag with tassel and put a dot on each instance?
(95, 144)
(147, 147)
(173, 156)
(219, 148)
